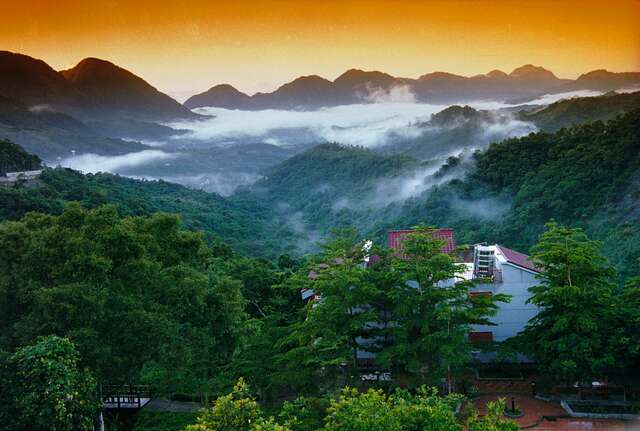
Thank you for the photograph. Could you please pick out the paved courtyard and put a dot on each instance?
(534, 410)
(569, 424)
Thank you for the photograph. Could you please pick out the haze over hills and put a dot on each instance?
(95, 107)
(357, 86)
(586, 175)
(98, 116)
(571, 112)
(51, 134)
(376, 215)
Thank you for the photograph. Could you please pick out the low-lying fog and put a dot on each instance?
(232, 147)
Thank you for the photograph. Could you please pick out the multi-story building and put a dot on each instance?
(495, 269)
(498, 269)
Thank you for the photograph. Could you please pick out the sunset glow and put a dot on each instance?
(183, 48)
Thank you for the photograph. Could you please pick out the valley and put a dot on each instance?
(354, 215)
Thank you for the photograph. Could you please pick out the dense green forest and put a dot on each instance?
(100, 284)
(572, 112)
(13, 158)
(323, 183)
(504, 194)
(238, 223)
(91, 297)
(584, 176)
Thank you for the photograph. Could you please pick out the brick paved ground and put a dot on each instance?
(535, 409)
(502, 386)
(532, 408)
(586, 425)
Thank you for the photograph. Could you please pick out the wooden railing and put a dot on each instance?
(124, 396)
(495, 275)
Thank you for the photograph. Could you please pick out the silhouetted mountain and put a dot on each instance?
(304, 92)
(604, 80)
(223, 96)
(112, 91)
(93, 89)
(529, 71)
(357, 86)
(34, 82)
(358, 83)
(528, 80)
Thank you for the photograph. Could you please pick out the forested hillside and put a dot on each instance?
(240, 223)
(329, 186)
(14, 158)
(118, 291)
(571, 112)
(586, 176)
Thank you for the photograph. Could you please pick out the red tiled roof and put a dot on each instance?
(395, 238)
(480, 337)
(518, 258)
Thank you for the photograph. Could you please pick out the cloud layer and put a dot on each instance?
(91, 163)
(369, 125)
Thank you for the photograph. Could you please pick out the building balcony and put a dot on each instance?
(495, 275)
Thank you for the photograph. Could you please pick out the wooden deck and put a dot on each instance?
(125, 397)
(125, 403)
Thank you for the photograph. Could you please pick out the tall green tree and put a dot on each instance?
(401, 411)
(432, 310)
(570, 335)
(351, 410)
(50, 389)
(133, 294)
(237, 411)
(329, 332)
(408, 308)
(624, 318)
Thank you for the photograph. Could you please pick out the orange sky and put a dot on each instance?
(184, 47)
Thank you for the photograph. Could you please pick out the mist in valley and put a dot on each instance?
(226, 149)
(232, 148)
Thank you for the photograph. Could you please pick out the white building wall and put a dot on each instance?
(512, 317)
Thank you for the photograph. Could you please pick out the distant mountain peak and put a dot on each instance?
(114, 90)
(454, 115)
(497, 74)
(225, 87)
(530, 71)
(355, 85)
(350, 73)
(32, 81)
(93, 69)
(440, 75)
(360, 75)
(598, 73)
(603, 80)
(222, 96)
(307, 79)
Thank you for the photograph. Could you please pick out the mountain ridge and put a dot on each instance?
(119, 92)
(93, 89)
(360, 86)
